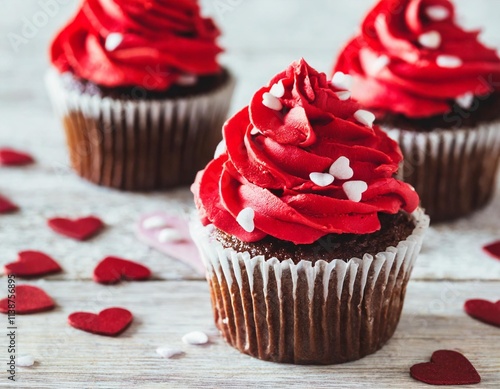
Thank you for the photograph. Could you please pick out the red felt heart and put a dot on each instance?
(6, 206)
(484, 310)
(110, 322)
(111, 270)
(80, 229)
(11, 157)
(493, 249)
(32, 264)
(28, 299)
(446, 367)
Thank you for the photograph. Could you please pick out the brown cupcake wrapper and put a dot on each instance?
(453, 171)
(305, 313)
(140, 145)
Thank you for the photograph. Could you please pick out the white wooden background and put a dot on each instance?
(261, 38)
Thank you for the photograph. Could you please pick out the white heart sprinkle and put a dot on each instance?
(245, 219)
(195, 338)
(448, 61)
(168, 352)
(271, 102)
(354, 190)
(278, 89)
(437, 12)
(341, 170)
(364, 117)
(344, 95)
(431, 39)
(113, 40)
(379, 64)
(220, 149)
(154, 222)
(254, 131)
(25, 361)
(465, 101)
(168, 235)
(321, 179)
(187, 79)
(342, 81)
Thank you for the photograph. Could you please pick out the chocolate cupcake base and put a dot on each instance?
(140, 145)
(326, 312)
(454, 171)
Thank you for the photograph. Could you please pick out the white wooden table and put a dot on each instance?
(261, 39)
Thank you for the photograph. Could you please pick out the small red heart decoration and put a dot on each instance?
(32, 264)
(109, 322)
(79, 229)
(11, 157)
(28, 299)
(446, 367)
(112, 269)
(484, 310)
(6, 206)
(493, 249)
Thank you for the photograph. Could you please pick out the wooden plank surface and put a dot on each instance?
(261, 38)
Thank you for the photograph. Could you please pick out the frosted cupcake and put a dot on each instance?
(307, 238)
(140, 92)
(436, 89)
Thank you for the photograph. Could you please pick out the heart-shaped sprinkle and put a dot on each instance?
(344, 95)
(321, 179)
(271, 102)
(25, 361)
(196, 338)
(29, 299)
(187, 79)
(112, 269)
(154, 222)
(167, 235)
(109, 322)
(465, 101)
(437, 12)
(364, 117)
(431, 39)
(254, 131)
(341, 170)
(168, 352)
(220, 149)
(354, 190)
(446, 367)
(79, 229)
(379, 64)
(246, 219)
(484, 310)
(448, 61)
(278, 89)
(342, 81)
(6, 206)
(11, 157)
(113, 40)
(493, 249)
(32, 264)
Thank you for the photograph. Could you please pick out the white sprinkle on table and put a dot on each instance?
(196, 338)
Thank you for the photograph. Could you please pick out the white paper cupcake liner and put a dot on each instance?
(308, 313)
(140, 145)
(453, 171)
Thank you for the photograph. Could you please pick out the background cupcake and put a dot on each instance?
(140, 93)
(309, 241)
(436, 88)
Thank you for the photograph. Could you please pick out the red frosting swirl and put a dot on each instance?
(411, 58)
(271, 154)
(147, 43)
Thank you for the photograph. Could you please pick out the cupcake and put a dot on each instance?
(139, 91)
(307, 238)
(435, 88)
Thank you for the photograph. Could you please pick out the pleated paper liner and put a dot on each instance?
(140, 145)
(453, 171)
(305, 313)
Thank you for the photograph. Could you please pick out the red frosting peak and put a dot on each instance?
(412, 58)
(301, 162)
(150, 43)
